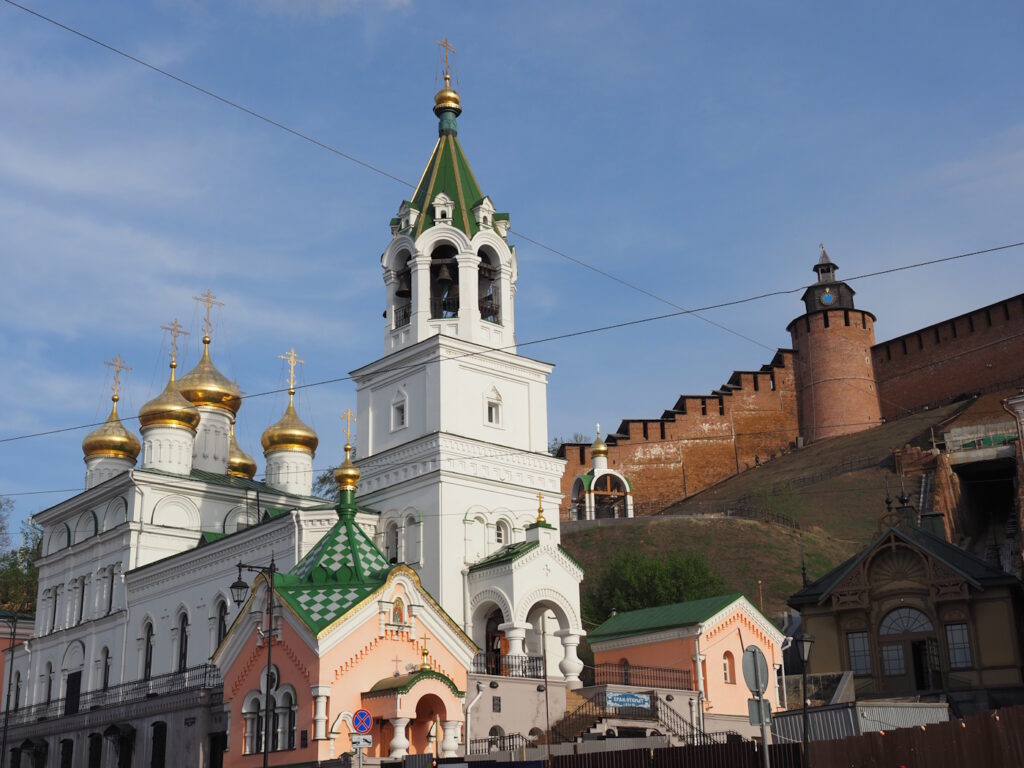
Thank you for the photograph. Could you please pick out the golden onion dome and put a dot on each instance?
(290, 433)
(598, 447)
(447, 99)
(205, 385)
(347, 475)
(240, 463)
(169, 408)
(111, 439)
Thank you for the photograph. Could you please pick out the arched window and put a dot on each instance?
(412, 540)
(288, 712)
(159, 749)
(501, 534)
(183, 642)
(904, 621)
(398, 612)
(609, 497)
(110, 591)
(403, 290)
(222, 620)
(105, 669)
(444, 283)
(391, 542)
(147, 651)
(496, 739)
(729, 667)
(48, 683)
(17, 690)
(489, 288)
(80, 608)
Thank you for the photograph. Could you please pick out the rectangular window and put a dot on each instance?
(959, 646)
(892, 659)
(863, 320)
(721, 407)
(757, 384)
(495, 703)
(645, 430)
(860, 653)
(397, 415)
(493, 413)
(661, 426)
(846, 317)
(825, 315)
(703, 407)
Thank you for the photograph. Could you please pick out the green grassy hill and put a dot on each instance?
(834, 490)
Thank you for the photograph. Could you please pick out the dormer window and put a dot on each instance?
(444, 207)
(492, 408)
(483, 212)
(407, 216)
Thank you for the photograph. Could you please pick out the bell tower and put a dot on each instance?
(835, 379)
(452, 441)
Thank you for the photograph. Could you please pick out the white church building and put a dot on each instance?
(135, 571)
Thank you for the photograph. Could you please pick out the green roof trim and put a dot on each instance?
(402, 684)
(661, 617)
(507, 554)
(566, 552)
(447, 171)
(501, 217)
(208, 537)
(274, 512)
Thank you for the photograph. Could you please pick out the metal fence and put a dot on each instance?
(506, 743)
(647, 677)
(736, 754)
(193, 678)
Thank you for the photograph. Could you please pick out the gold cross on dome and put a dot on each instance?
(348, 417)
(175, 329)
(540, 508)
(446, 47)
(292, 359)
(209, 301)
(118, 365)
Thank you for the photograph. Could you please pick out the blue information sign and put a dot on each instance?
(362, 721)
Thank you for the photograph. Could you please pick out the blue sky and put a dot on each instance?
(700, 151)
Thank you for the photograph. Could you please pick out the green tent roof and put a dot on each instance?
(661, 617)
(338, 573)
(447, 171)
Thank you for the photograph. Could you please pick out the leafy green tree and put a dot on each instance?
(633, 580)
(19, 578)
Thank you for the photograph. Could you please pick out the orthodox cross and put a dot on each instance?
(447, 48)
(209, 301)
(540, 508)
(397, 660)
(175, 329)
(118, 365)
(425, 652)
(348, 417)
(292, 359)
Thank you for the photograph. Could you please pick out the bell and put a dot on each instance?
(404, 289)
(443, 275)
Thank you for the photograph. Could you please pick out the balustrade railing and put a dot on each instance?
(507, 743)
(508, 666)
(402, 315)
(646, 677)
(193, 678)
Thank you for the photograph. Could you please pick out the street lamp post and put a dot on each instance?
(239, 589)
(803, 644)
(12, 621)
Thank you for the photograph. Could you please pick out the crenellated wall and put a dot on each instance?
(701, 440)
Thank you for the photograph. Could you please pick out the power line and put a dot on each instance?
(548, 339)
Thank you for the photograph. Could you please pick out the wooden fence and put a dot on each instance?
(993, 740)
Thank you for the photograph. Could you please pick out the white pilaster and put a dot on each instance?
(213, 441)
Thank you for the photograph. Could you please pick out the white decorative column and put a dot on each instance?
(399, 742)
(282, 726)
(250, 732)
(320, 694)
(420, 296)
(516, 636)
(570, 665)
(469, 292)
(450, 742)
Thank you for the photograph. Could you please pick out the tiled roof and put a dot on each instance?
(506, 554)
(401, 684)
(661, 617)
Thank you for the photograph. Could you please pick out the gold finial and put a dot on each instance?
(424, 653)
(209, 301)
(176, 330)
(540, 509)
(118, 365)
(348, 417)
(446, 48)
(292, 359)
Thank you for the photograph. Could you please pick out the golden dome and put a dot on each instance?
(111, 439)
(598, 447)
(290, 433)
(169, 408)
(240, 463)
(205, 385)
(347, 475)
(447, 99)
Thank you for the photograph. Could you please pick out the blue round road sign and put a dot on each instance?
(362, 721)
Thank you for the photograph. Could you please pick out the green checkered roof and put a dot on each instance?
(342, 569)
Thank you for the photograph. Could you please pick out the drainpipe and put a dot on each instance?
(700, 676)
(469, 710)
(782, 663)
(465, 603)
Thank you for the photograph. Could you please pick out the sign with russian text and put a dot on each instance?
(622, 700)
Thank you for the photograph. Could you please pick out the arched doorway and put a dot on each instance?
(609, 497)
(427, 729)
(493, 640)
(910, 650)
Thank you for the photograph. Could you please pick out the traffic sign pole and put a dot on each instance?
(755, 674)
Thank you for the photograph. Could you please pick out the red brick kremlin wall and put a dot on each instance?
(980, 351)
(701, 440)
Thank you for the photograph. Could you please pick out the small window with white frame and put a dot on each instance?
(399, 411)
(959, 645)
(492, 408)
